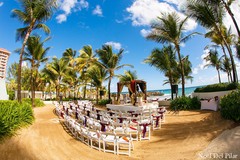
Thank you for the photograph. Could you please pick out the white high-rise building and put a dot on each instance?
(4, 54)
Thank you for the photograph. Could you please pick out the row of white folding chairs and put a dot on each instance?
(89, 136)
(142, 128)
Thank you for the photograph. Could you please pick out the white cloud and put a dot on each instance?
(115, 45)
(61, 18)
(203, 64)
(145, 32)
(97, 11)
(143, 12)
(119, 21)
(1, 4)
(179, 3)
(67, 6)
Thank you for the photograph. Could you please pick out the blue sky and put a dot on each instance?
(121, 23)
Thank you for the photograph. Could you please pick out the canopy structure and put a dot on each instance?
(133, 88)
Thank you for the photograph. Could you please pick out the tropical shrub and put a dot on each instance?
(38, 102)
(185, 103)
(230, 106)
(14, 116)
(11, 95)
(218, 87)
(104, 101)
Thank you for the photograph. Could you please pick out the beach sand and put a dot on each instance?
(182, 137)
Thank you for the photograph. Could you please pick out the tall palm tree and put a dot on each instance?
(111, 62)
(211, 17)
(164, 60)
(33, 15)
(169, 29)
(36, 54)
(56, 70)
(71, 78)
(98, 75)
(214, 61)
(217, 39)
(83, 62)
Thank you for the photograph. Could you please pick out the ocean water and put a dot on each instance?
(188, 90)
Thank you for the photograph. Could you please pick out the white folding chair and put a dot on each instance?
(124, 144)
(109, 139)
(144, 129)
(94, 136)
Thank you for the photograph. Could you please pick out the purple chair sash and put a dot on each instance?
(103, 126)
(121, 119)
(76, 114)
(88, 113)
(67, 111)
(85, 121)
(144, 128)
(157, 119)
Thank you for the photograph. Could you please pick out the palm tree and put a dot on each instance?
(35, 53)
(227, 5)
(164, 60)
(33, 15)
(71, 78)
(56, 70)
(12, 72)
(84, 61)
(169, 29)
(226, 67)
(214, 61)
(98, 75)
(111, 62)
(211, 17)
(71, 81)
(69, 55)
(128, 76)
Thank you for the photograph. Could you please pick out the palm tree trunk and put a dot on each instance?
(74, 93)
(56, 93)
(171, 83)
(230, 74)
(21, 59)
(232, 17)
(109, 85)
(228, 77)
(219, 78)
(84, 91)
(235, 79)
(97, 95)
(33, 92)
(182, 70)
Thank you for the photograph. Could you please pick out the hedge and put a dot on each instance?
(218, 87)
(14, 116)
